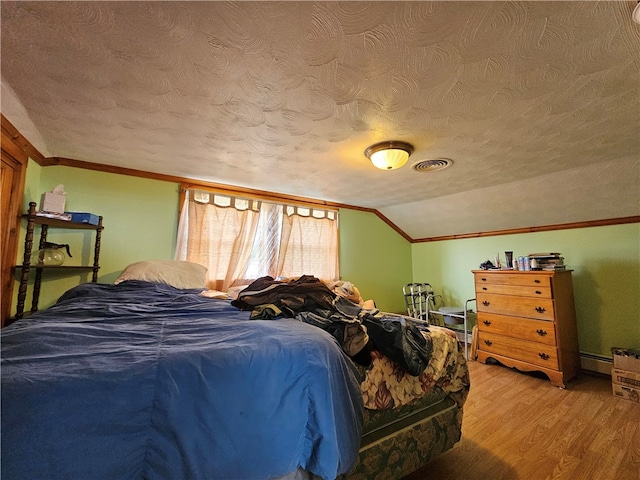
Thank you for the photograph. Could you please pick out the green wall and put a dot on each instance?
(606, 275)
(141, 217)
(375, 258)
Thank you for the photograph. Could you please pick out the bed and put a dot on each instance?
(142, 379)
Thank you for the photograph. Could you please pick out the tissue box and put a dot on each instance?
(83, 217)
(52, 202)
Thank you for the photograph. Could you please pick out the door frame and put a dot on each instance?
(14, 169)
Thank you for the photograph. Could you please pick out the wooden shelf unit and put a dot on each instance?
(26, 267)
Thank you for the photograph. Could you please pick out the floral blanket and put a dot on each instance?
(387, 385)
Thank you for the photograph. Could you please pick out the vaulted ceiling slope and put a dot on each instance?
(537, 103)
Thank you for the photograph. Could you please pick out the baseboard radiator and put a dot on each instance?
(596, 363)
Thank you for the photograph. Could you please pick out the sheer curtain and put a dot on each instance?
(241, 239)
(219, 235)
(309, 243)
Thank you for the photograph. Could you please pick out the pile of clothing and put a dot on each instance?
(357, 329)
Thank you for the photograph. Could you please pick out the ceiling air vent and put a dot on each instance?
(432, 165)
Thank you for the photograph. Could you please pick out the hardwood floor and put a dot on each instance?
(518, 426)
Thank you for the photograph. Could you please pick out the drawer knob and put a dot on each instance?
(536, 281)
(487, 322)
(486, 303)
(543, 356)
(488, 342)
(538, 292)
(483, 279)
(484, 288)
(541, 309)
(542, 333)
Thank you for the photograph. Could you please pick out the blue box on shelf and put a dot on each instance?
(84, 217)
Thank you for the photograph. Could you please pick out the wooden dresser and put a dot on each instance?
(527, 320)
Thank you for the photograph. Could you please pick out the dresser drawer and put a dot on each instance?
(530, 279)
(540, 331)
(538, 291)
(529, 352)
(540, 308)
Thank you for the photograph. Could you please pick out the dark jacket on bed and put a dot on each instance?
(356, 329)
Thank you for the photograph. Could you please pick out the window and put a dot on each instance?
(241, 239)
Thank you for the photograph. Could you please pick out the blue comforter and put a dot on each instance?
(146, 381)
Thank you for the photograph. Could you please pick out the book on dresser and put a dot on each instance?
(548, 260)
(527, 320)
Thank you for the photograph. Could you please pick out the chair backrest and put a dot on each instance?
(416, 298)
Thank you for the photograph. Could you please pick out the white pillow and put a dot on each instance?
(177, 273)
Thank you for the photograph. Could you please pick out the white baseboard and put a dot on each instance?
(596, 363)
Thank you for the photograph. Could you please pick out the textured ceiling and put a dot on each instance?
(536, 103)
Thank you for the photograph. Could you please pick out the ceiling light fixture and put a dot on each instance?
(389, 155)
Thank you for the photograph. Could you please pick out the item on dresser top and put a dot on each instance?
(508, 259)
(523, 263)
(487, 265)
(547, 261)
